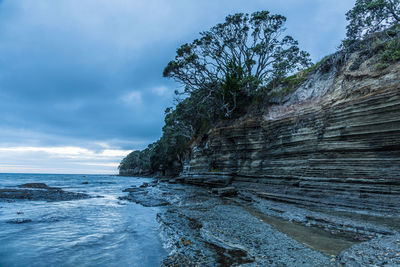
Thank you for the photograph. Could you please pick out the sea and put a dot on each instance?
(99, 231)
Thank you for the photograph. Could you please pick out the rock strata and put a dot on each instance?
(333, 144)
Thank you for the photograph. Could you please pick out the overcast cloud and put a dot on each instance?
(85, 77)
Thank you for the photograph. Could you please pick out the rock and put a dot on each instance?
(140, 195)
(209, 231)
(145, 201)
(107, 182)
(212, 179)
(383, 251)
(186, 242)
(179, 180)
(132, 189)
(36, 185)
(39, 191)
(225, 191)
(144, 185)
(19, 221)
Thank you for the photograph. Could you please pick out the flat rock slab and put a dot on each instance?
(39, 191)
(19, 221)
(133, 189)
(141, 196)
(37, 185)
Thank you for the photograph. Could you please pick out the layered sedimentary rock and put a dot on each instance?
(333, 143)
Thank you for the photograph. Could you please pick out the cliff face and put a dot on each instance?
(334, 142)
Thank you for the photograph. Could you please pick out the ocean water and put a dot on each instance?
(91, 232)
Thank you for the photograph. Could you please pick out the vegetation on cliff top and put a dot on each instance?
(389, 54)
(370, 16)
(237, 64)
(235, 58)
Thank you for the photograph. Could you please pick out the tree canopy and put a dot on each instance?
(233, 59)
(368, 16)
(139, 159)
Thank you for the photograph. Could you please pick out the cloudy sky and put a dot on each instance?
(81, 80)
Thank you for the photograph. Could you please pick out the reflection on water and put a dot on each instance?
(313, 237)
(100, 231)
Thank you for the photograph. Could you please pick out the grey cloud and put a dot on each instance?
(65, 65)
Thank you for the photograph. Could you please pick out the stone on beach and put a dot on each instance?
(225, 191)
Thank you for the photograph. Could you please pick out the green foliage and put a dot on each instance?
(390, 54)
(316, 65)
(232, 60)
(376, 43)
(293, 81)
(231, 90)
(181, 125)
(381, 66)
(369, 16)
(139, 159)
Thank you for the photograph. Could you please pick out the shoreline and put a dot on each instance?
(204, 229)
(204, 226)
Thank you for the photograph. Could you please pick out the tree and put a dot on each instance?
(137, 158)
(180, 127)
(235, 58)
(368, 16)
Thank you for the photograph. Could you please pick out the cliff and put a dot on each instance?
(332, 143)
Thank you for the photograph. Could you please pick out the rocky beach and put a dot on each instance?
(205, 228)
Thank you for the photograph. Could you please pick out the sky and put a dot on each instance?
(81, 81)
